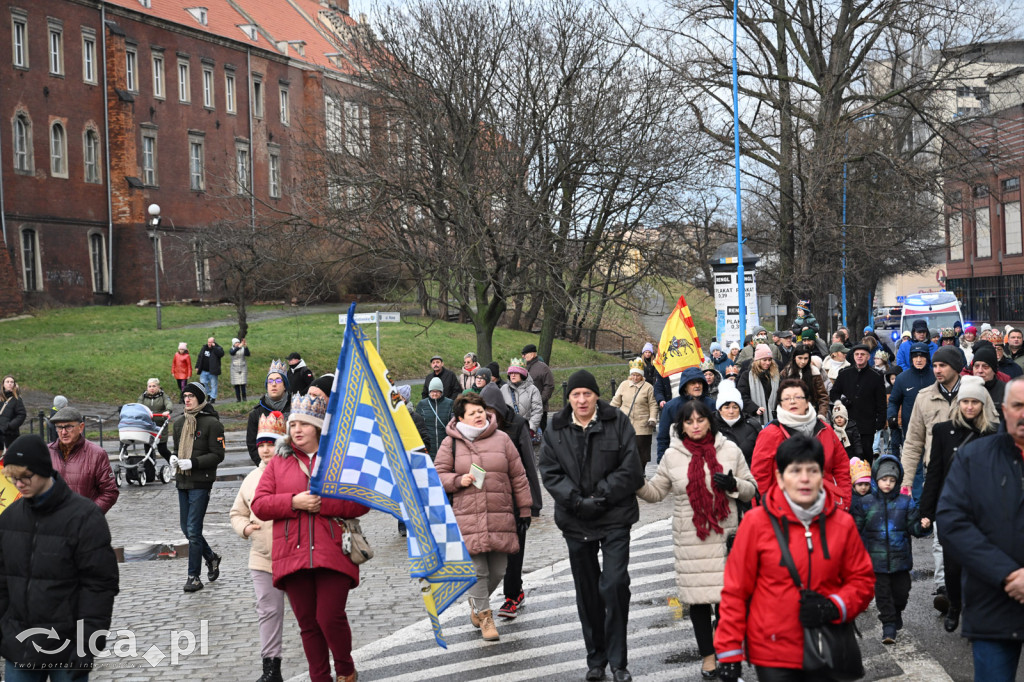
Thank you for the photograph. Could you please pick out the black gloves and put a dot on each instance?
(894, 423)
(589, 508)
(726, 482)
(816, 609)
(730, 672)
(522, 524)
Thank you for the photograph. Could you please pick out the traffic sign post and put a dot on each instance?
(374, 318)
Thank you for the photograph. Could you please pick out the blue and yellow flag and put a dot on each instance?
(679, 347)
(371, 453)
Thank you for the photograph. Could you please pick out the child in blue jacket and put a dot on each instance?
(886, 520)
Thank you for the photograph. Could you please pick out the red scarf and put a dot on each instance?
(709, 506)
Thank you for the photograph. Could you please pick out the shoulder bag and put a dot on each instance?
(353, 542)
(830, 648)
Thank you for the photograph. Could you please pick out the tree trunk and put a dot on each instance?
(421, 298)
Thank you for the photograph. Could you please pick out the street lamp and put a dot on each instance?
(154, 222)
(741, 284)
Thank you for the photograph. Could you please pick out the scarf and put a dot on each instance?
(804, 423)
(841, 434)
(731, 422)
(277, 405)
(188, 435)
(470, 433)
(759, 398)
(709, 506)
(806, 516)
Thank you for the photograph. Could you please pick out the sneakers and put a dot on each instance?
(941, 601)
(508, 609)
(193, 584)
(213, 568)
(487, 628)
(520, 600)
(888, 633)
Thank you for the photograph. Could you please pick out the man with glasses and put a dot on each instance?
(83, 465)
(58, 572)
(276, 399)
(862, 391)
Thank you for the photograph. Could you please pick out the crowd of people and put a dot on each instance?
(799, 473)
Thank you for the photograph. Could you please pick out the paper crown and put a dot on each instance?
(636, 365)
(309, 409)
(706, 365)
(518, 365)
(947, 333)
(271, 427)
(278, 367)
(860, 470)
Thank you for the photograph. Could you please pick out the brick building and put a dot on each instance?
(205, 107)
(985, 253)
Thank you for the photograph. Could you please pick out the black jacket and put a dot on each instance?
(421, 427)
(1010, 368)
(662, 390)
(947, 439)
(207, 450)
(856, 448)
(449, 381)
(208, 359)
(601, 461)
(12, 416)
(651, 373)
(253, 426)
(300, 378)
(57, 567)
(863, 392)
(979, 514)
(518, 430)
(743, 433)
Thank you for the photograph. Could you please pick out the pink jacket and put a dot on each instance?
(486, 516)
(87, 471)
(301, 540)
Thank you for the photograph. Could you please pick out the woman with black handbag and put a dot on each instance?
(785, 599)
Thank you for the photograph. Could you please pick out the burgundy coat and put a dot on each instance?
(87, 471)
(486, 516)
(301, 540)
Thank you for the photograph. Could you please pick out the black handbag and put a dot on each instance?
(830, 648)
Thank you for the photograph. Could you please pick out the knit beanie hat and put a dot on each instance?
(972, 388)
(309, 409)
(952, 357)
(808, 334)
(728, 393)
(650, 347)
(888, 467)
(762, 351)
(435, 385)
(325, 383)
(182, 346)
(495, 369)
(970, 329)
(839, 410)
(987, 355)
(734, 346)
(30, 451)
(271, 427)
(714, 346)
(196, 389)
(59, 402)
(583, 379)
(860, 471)
(483, 372)
(405, 391)
(518, 365)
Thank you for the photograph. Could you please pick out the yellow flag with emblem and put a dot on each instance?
(679, 347)
(8, 494)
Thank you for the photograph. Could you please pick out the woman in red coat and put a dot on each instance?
(797, 415)
(308, 562)
(181, 366)
(761, 606)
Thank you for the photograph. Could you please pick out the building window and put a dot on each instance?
(257, 95)
(982, 233)
(23, 158)
(208, 87)
(184, 89)
(202, 269)
(333, 123)
(196, 163)
(89, 58)
(131, 70)
(30, 265)
(956, 236)
(56, 47)
(98, 260)
(58, 151)
(285, 117)
(275, 175)
(149, 176)
(980, 191)
(242, 168)
(357, 128)
(229, 92)
(1011, 184)
(19, 40)
(91, 155)
(158, 76)
(1011, 213)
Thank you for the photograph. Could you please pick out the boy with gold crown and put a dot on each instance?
(635, 397)
(276, 399)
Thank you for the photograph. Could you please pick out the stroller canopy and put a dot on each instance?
(136, 420)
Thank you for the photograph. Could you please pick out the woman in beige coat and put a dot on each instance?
(269, 599)
(635, 397)
(707, 474)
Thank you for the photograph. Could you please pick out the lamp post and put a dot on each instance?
(741, 287)
(154, 222)
(846, 153)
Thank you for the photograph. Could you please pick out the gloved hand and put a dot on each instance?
(590, 508)
(730, 672)
(816, 609)
(522, 524)
(894, 423)
(726, 482)
(174, 462)
(184, 464)
(905, 490)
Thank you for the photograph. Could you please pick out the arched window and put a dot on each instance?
(91, 154)
(22, 144)
(58, 151)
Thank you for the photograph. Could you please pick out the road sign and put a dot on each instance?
(901, 299)
(390, 317)
(371, 318)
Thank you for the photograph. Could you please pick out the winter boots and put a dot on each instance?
(271, 670)
(487, 628)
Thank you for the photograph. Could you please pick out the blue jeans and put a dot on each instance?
(15, 674)
(191, 509)
(209, 382)
(995, 660)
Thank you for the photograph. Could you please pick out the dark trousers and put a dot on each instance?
(867, 440)
(240, 392)
(643, 446)
(789, 675)
(514, 568)
(953, 575)
(703, 631)
(602, 597)
(892, 590)
(192, 506)
(318, 597)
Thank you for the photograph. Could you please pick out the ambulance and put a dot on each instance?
(939, 309)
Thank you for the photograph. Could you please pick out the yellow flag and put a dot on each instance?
(679, 347)
(8, 494)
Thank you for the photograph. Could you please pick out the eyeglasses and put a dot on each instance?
(24, 480)
(65, 427)
(275, 381)
(187, 396)
(793, 399)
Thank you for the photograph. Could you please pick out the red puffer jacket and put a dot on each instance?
(87, 471)
(302, 540)
(760, 604)
(837, 462)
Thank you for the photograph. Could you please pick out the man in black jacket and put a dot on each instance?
(448, 379)
(979, 514)
(300, 377)
(57, 569)
(862, 391)
(208, 367)
(590, 466)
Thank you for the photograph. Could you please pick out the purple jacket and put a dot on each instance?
(87, 471)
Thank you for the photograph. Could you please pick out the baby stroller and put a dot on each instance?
(134, 428)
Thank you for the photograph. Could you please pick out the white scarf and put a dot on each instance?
(759, 398)
(731, 422)
(804, 423)
(470, 433)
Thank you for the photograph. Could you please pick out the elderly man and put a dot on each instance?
(208, 367)
(542, 377)
(83, 465)
(449, 382)
(862, 391)
(783, 350)
(589, 464)
(979, 513)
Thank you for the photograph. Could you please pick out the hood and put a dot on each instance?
(688, 375)
(887, 458)
(302, 363)
(718, 377)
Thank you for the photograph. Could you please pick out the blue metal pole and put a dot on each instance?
(741, 288)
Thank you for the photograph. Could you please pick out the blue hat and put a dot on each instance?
(715, 346)
(868, 329)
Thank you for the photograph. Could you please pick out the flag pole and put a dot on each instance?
(741, 287)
